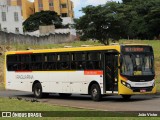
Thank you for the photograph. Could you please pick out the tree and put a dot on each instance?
(126, 1)
(145, 16)
(42, 18)
(131, 19)
(101, 22)
(153, 19)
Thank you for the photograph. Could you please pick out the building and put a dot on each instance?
(3, 2)
(64, 8)
(14, 12)
(11, 19)
(27, 7)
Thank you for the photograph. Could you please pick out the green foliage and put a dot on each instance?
(145, 17)
(136, 19)
(101, 22)
(42, 18)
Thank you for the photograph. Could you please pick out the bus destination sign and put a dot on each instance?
(136, 49)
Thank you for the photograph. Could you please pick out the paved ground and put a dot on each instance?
(109, 103)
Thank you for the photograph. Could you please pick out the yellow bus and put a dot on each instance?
(124, 70)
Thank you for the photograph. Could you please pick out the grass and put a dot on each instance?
(2, 86)
(11, 105)
(49, 46)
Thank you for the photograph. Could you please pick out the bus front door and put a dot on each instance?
(111, 73)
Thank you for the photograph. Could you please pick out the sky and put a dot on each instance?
(78, 4)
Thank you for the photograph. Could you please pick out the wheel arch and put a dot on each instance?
(90, 85)
(36, 81)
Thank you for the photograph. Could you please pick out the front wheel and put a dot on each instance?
(95, 92)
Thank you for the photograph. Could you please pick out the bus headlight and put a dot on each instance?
(126, 84)
(153, 84)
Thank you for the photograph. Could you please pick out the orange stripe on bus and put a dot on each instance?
(124, 78)
(93, 72)
(23, 52)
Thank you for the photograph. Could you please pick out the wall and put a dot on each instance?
(10, 38)
(57, 6)
(46, 29)
(27, 8)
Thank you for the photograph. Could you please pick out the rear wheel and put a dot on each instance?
(37, 90)
(126, 97)
(95, 92)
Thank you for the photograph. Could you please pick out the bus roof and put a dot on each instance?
(72, 49)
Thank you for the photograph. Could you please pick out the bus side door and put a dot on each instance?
(111, 72)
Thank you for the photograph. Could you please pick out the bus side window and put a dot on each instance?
(93, 61)
(36, 62)
(49, 62)
(11, 62)
(23, 62)
(78, 61)
(63, 61)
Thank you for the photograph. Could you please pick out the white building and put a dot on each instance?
(67, 20)
(3, 2)
(10, 18)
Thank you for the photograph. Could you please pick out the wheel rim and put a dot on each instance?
(94, 92)
(37, 91)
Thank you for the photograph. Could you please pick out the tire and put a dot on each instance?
(126, 97)
(64, 95)
(37, 90)
(95, 92)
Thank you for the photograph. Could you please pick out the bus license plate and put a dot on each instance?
(142, 91)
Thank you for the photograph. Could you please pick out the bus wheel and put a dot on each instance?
(95, 92)
(64, 95)
(37, 90)
(126, 97)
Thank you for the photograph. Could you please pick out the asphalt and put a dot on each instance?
(108, 103)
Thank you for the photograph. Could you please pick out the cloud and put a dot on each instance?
(76, 3)
(95, 2)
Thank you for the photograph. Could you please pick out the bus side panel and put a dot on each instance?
(53, 81)
(57, 82)
(66, 82)
(19, 81)
(11, 82)
(94, 76)
(77, 82)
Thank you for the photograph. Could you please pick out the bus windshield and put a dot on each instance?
(137, 64)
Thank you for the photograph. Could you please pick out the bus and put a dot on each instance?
(97, 71)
